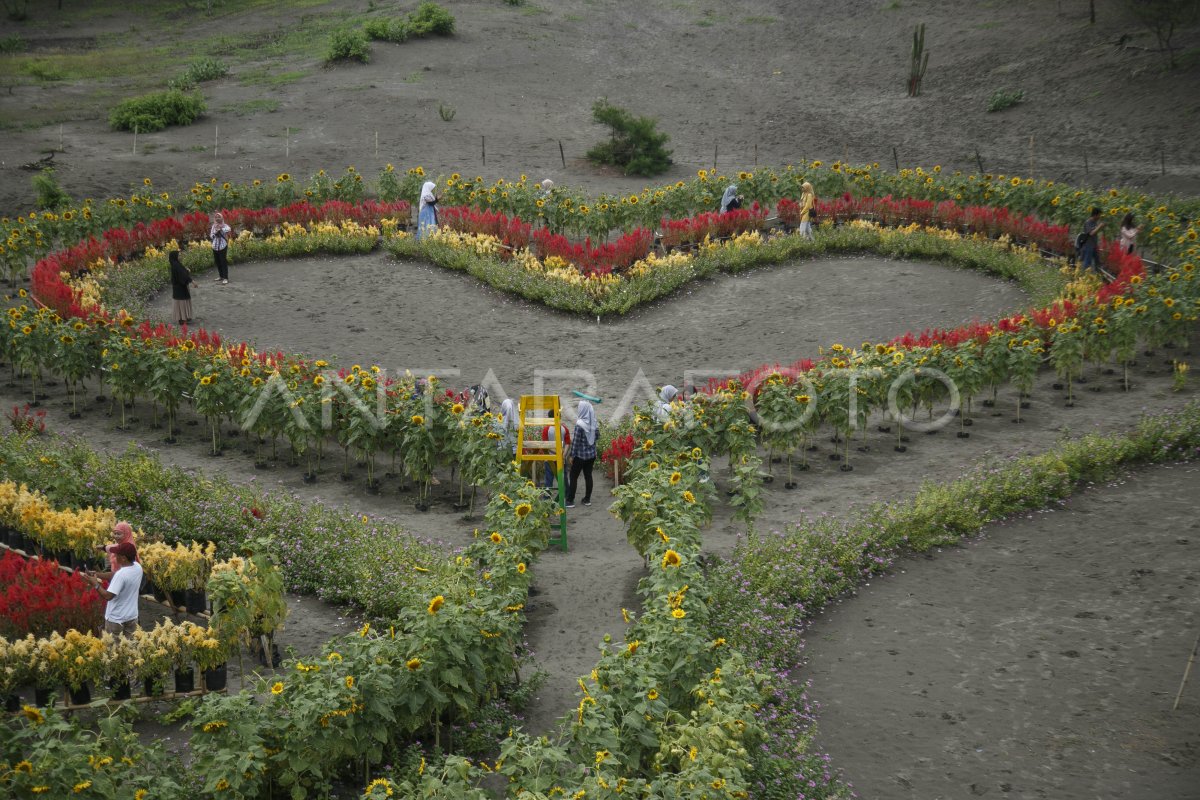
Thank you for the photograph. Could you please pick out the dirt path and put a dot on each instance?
(1038, 661)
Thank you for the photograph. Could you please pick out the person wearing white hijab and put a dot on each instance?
(508, 424)
(427, 209)
(662, 411)
(583, 453)
(730, 200)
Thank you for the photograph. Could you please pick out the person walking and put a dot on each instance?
(1089, 241)
(121, 611)
(583, 453)
(808, 205)
(181, 280)
(1129, 231)
(218, 234)
(427, 209)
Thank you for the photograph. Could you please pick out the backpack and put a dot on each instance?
(1081, 239)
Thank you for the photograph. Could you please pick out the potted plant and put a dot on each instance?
(118, 662)
(80, 655)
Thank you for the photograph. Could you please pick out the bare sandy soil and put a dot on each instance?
(757, 82)
(1039, 661)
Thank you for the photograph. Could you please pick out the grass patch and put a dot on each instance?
(12, 44)
(144, 64)
(1005, 98)
(413, 77)
(43, 71)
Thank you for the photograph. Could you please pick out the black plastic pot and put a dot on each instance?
(195, 601)
(120, 690)
(153, 686)
(185, 680)
(178, 598)
(81, 696)
(214, 679)
(12, 703)
(44, 698)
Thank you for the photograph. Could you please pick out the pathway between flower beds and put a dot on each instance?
(372, 305)
(1040, 660)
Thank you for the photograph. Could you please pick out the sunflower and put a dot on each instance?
(413, 664)
(522, 510)
(436, 604)
(671, 559)
(457, 408)
(277, 688)
(521, 568)
(688, 497)
(349, 681)
(652, 694)
(33, 714)
(496, 537)
(206, 380)
(678, 613)
(417, 419)
(675, 478)
(648, 444)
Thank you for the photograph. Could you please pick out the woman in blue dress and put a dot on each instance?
(427, 210)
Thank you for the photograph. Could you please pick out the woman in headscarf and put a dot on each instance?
(730, 200)
(427, 209)
(508, 424)
(808, 202)
(662, 411)
(583, 453)
(181, 280)
(122, 532)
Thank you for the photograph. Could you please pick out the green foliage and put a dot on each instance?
(199, 71)
(388, 30)
(44, 71)
(431, 19)
(1004, 98)
(919, 61)
(445, 112)
(12, 44)
(153, 112)
(348, 45)
(49, 194)
(635, 144)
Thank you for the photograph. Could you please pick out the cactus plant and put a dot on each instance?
(920, 60)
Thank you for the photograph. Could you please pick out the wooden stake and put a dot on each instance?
(60, 139)
(1187, 671)
(287, 142)
(1162, 158)
(715, 145)
(978, 161)
(1031, 156)
(216, 138)
(135, 129)
(377, 144)
(483, 149)
(756, 155)
(896, 158)
(561, 154)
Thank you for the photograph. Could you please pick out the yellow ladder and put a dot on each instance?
(537, 412)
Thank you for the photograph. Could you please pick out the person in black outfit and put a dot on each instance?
(583, 453)
(181, 279)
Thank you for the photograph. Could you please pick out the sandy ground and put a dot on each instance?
(1040, 660)
(757, 82)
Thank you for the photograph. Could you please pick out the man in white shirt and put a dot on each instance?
(121, 613)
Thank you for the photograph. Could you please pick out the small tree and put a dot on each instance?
(635, 144)
(1163, 17)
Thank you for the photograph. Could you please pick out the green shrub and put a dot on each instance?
(153, 112)
(430, 18)
(49, 194)
(1004, 98)
(348, 46)
(635, 145)
(44, 71)
(388, 30)
(12, 44)
(205, 69)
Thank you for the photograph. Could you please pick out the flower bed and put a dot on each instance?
(38, 598)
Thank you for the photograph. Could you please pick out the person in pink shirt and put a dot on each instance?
(122, 532)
